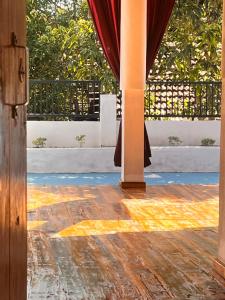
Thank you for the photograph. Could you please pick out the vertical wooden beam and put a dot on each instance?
(13, 233)
(220, 263)
(132, 84)
(4, 202)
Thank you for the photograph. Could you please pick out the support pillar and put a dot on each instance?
(220, 262)
(132, 84)
(108, 120)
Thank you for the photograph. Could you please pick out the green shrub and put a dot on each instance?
(81, 139)
(174, 141)
(207, 142)
(40, 142)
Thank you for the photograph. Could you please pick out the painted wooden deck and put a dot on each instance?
(102, 243)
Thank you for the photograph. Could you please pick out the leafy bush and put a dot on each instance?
(207, 142)
(40, 142)
(81, 139)
(174, 141)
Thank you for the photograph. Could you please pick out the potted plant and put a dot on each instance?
(174, 141)
(40, 142)
(81, 139)
(207, 142)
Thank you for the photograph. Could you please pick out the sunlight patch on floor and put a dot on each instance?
(172, 210)
(148, 216)
(103, 227)
(40, 198)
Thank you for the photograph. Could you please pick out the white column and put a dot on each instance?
(108, 120)
(220, 263)
(132, 84)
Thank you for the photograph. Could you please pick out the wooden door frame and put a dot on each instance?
(219, 263)
(13, 212)
(13, 230)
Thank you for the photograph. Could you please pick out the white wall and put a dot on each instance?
(97, 154)
(190, 132)
(63, 134)
(185, 159)
(103, 134)
(165, 159)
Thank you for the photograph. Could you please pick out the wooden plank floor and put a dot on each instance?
(102, 243)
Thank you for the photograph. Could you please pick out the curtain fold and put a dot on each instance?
(106, 18)
(106, 15)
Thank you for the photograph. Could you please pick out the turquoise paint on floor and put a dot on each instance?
(114, 178)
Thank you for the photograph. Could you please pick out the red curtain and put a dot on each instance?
(106, 16)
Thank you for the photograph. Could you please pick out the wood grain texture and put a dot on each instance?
(221, 252)
(12, 20)
(14, 87)
(13, 236)
(18, 207)
(106, 243)
(219, 269)
(133, 185)
(4, 202)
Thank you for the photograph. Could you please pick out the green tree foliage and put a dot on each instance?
(63, 43)
(191, 49)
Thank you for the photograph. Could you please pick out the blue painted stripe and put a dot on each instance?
(114, 178)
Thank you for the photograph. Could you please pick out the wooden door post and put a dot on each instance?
(220, 262)
(13, 231)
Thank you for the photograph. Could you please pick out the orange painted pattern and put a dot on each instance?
(144, 214)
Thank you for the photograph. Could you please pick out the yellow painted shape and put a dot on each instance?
(148, 216)
(31, 225)
(102, 227)
(148, 209)
(40, 198)
(99, 227)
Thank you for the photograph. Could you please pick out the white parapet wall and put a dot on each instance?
(190, 133)
(63, 155)
(185, 159)
(62, 134)
(165, 159)
(103, 134)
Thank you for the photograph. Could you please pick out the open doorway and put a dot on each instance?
(89, 234)
(97, 242)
